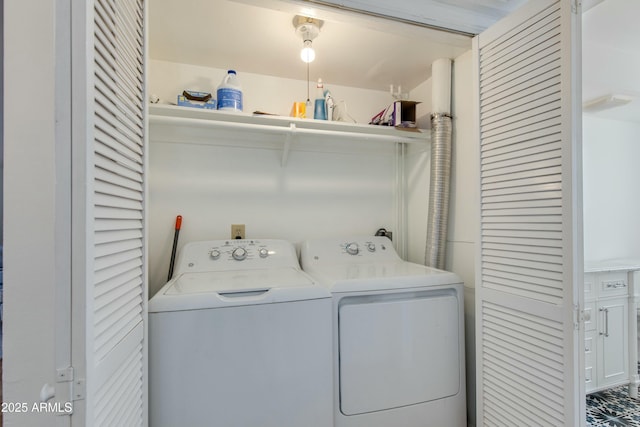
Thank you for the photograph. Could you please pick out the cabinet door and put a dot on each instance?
(613, 345)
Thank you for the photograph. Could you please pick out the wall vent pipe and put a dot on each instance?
(440, 175)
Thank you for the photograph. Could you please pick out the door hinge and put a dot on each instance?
(76, 386)
(78, 389)
(578, 317)
(68, 390)
(576, 5)
(64, 375)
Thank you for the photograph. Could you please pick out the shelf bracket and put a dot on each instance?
(287, 144)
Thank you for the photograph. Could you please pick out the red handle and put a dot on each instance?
(178, 222)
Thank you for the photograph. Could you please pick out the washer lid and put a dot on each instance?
(191, 291)
(380, 276)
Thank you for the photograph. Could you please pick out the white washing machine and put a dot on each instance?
(398, 335)
(240, 337)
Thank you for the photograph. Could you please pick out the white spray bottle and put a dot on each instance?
(329, 103)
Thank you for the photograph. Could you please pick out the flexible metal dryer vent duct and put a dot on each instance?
(438, 214)
(435, 253)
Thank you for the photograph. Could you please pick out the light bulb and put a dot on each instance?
(307, 54)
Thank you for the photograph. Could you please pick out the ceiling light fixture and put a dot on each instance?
(307, 28)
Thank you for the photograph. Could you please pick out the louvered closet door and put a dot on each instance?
(115, 211)
(530, 253)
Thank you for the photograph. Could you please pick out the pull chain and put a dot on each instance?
(308, 84)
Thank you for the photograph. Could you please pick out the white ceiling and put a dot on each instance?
(360, 50)
(353, 49)
(466, 16)
(611, 55)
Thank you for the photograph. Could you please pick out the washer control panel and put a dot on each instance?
(220, 255)
(239, 250)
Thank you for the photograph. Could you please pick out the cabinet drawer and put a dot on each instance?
(589, 350)
(588, 379)
(589, 285)
(590, 316)
(613, 283)
(590, 343)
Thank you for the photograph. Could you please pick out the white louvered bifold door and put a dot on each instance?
(530, 246)
(114, 192)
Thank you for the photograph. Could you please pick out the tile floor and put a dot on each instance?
(612, 407)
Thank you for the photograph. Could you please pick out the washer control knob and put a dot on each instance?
(263, 252)
(353, 249)
(215, 254)
(371, 247)
(239, 254)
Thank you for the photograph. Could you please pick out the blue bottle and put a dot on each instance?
(320, 107)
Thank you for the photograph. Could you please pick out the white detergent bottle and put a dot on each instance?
(230, 93)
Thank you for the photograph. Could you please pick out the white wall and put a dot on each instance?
(29, 208)
(1, 118)
(611, 206)
(328, 188)
(264, 93)
(417, 166)
(463, 214)
(463, 209)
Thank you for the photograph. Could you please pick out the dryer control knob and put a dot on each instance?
(353, 249)
(239, 254)
(215, 254)
(263, 252)
(371, 247)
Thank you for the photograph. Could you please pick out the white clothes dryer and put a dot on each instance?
(398, 335)
(240, 337)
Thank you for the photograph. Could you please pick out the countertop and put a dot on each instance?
(611, 265)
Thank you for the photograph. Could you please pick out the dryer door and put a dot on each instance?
(398, 350)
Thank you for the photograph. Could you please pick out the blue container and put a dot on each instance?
(320, 110)
(229, 93)
(320, 107)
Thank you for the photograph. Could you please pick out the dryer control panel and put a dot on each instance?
(350, 250)
(359, 248)
(222, 255)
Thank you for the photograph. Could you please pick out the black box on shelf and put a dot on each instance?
(400, 114)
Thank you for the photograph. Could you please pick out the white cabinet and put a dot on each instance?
(612, 345)
(609, 330)
(606, 344)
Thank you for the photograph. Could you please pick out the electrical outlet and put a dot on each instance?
(237, 231)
